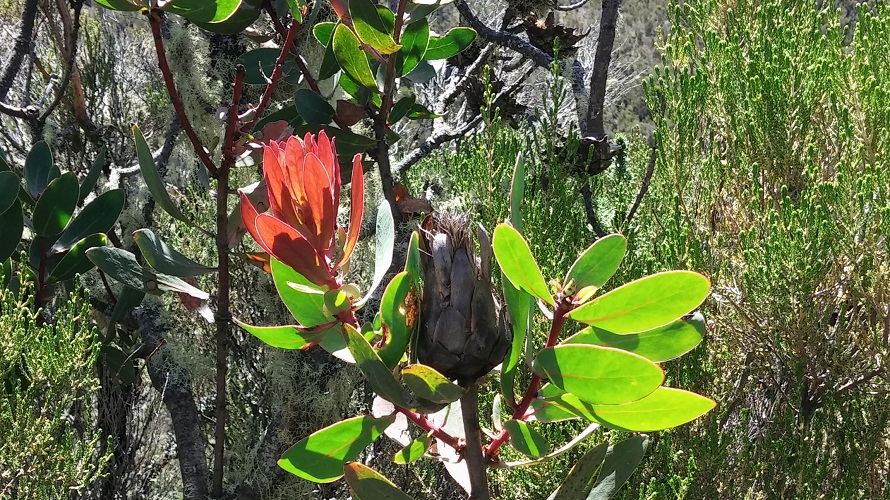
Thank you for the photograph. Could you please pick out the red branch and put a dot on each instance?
(276, 75)
(559, 319)
(432, 429)
(154, 20)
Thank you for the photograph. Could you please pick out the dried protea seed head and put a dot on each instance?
(463, 332)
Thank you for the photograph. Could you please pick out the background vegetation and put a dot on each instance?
(771, 134)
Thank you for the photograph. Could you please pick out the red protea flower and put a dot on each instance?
(303, 179)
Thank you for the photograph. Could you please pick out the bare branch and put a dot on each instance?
(503, 38)
(608, 21)
(22, 46)
(572, 6)
(644, 187)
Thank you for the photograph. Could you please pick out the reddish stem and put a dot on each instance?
(276, 75)
(559, 319)
(154, 20)
(431, 428)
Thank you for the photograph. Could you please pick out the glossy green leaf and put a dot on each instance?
(320, 457)
(306, 308)
(361, 95)
(153, 179)
(352, 58)
(401, 108)
(520, 307)
(243, 18)
(313, 108)
(260, 63)
(296, 9)
(398, 313)
(598, 262)
(659, 344)
(164, 259)
(620, 462)
(119, 4)
(414, 450)
(378, 374)
(646, 303)
(13, 227)
(127, 299)
(517, 263)
(420, 112)
(55, 205)
(449, 44)
(367, 484)
(414, 41)
(203, 11)
(599, 375)
(663, 409)
(119, 264)
(543, 410)
(285, 336)
(582, 477)
(9, 189)
(370, 28)
(383, 247)
(412, 261)
(517, 192)
(89, 181)
(323, 32)
(426, 383)
(99, 216)
(526, 439)
(75, 260)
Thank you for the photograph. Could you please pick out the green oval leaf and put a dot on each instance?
(55, 205)
(383, 247)
(260, 63)
(13, 227)
(164, 259)
(370, 27)
(203, 11)
(543, 410)
(658, 344)
(153, 179)
(320, 457)
(401, 108)
(414, 450)
(398, 312)
(646, 303)
(284, 337)
(118, 5)
(313, 108)
(378, 374)
(599, 375)
(9, 189)
(663, 409)
(426, 383)
(525, 439)
(449, 44)
(366, 484)
(305, 301)
(99, 216)
(89, 181)
(414, 41)
(119, 264)
(517, 262)
(75, 260)
(598, 262)
(352, 58)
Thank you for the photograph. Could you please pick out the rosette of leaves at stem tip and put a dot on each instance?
(463, 330)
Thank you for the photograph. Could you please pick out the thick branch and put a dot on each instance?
(477, 465)
(70, 55)
(21, 47)
(503, 38)
(600, 73)
(432, 143)
(591, 213)
(175, 388)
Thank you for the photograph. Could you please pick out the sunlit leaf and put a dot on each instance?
(370, 28)
(414, 41)
(414, 450)
(306, 308)
(320, 457)
(378, 374)
(517, 262)
(285, 336)
(525, 439)
(75, 260)
(599, 375)
(352, 58)
(663, 409)
(598, 262)
(165, 259)
(646, 303)
(449, 44)
(426, 383)
(153, 179)
(658, 344)
(366, 484)
(204, 11)
(399, 314)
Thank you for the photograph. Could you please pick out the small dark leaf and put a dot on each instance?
(165, 259)
(313, 108)
(55, 205)
(38, 168)
(75, 260)
(13, 226)
(89, 182)
(621, 461)
(582, 477)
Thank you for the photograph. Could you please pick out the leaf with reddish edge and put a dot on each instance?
(367, 484)
(286, 336)
(327, 153)
(277, 182)
(517, 262)
(287, 245)
(356, 209)
(598, 262)
(646, 303)
(320, 456)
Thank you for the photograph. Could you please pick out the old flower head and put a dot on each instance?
(303, 180)
(463, 333)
